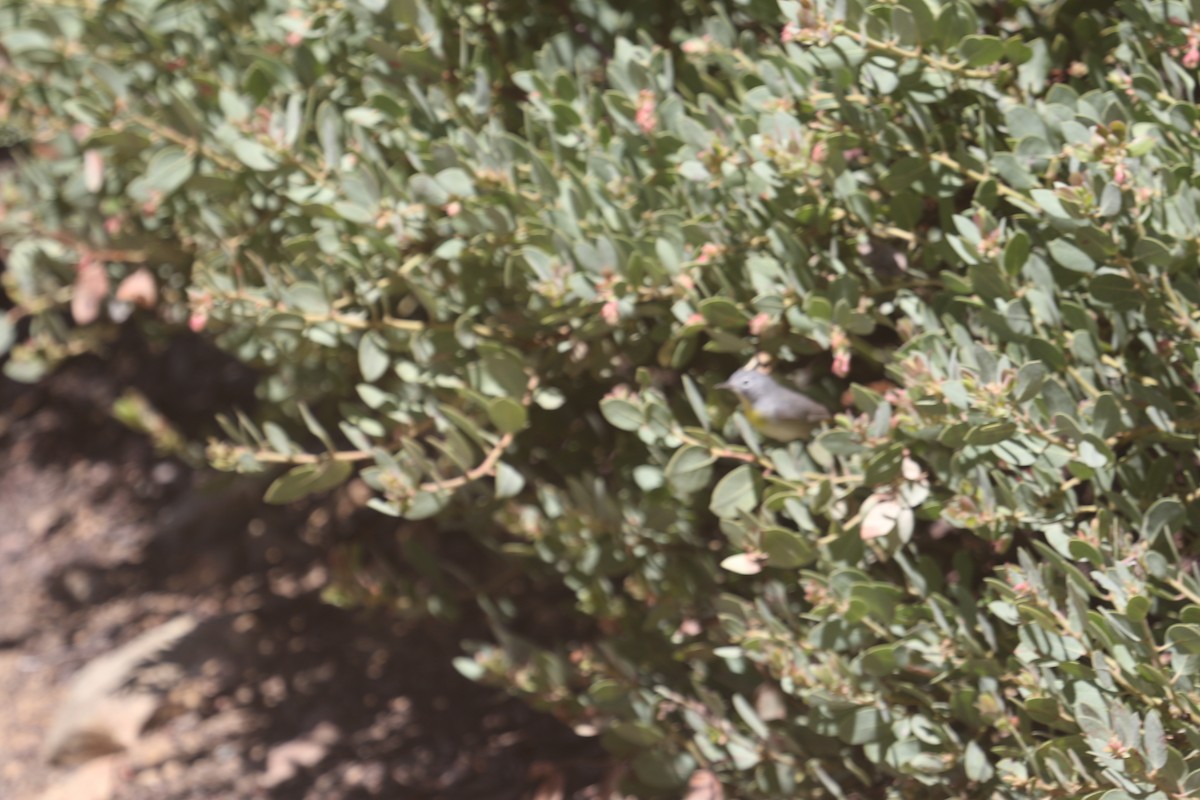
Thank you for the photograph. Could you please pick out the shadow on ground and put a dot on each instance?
(276, 694)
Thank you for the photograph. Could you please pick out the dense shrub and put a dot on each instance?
(493, 257)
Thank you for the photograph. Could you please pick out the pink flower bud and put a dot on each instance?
(611, 312)
(645, 117)
(93, 170)
(841, 363)
(708, 252)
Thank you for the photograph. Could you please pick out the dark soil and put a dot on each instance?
(278, 694)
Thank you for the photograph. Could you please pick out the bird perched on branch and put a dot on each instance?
(774, 410)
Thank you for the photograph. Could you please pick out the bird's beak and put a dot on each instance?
(723, 385)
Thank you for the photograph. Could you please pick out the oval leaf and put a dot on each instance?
(307, 479)
(734, 494)
(507, 414)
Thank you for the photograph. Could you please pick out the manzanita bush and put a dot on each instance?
(493, 257)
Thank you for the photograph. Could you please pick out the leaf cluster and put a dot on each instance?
(495, 266)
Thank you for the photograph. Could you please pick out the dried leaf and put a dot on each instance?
(769, 703)
(744, 563)
(139, 289)
(881, 517)
(911, 470)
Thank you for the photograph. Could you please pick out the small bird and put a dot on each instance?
(775, 411)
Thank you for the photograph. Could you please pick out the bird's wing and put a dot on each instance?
(800, 407)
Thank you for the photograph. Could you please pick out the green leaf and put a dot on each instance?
(749, 716)
(8, 334)
(507, 414)
(1164, 514)
(424, 505)
(735, 494)
(425, 189)
(880, 76)
(662, 768)
(648, 477)
(373, 359)
(1016, 51)
(1185, 638)
(1068, 255)
(254, 155)
(905, 26)
(469, 668)
(956, 394)
(976, 764)
(294, 119)
(315, 427)
(509, 481)
(839, 443)
(364, 116)
(329, 129)
(640, 734)
(904, 173)
(622, 414)
(694, 171)
(1031, 377)
(1049, 202)
(787, 549)
(1115, 290)
(862, 726)
(667, 254)
(24, 40)
(307, 479)
(979, 51)
(696, 401)
(1148, 250)
(1094, 453)
(884, 465)
(355, 435)
(722, 313)
(456, 182)
(1154, 741)
(1042, 709)
(690, 469)
(504, 372)
(1016, 252)
(308, 298)
(549, 398)
(278, 439)
(880, 661)
(169, 169)
(1137, 608)
(1110, 201)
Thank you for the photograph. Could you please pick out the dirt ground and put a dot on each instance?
(276, 694)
